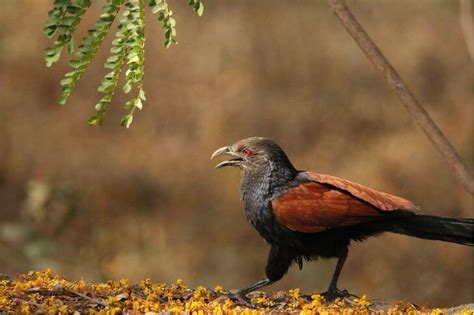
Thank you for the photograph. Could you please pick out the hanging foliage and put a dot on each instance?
(128, 47)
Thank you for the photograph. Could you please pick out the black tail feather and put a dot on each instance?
(460, 231)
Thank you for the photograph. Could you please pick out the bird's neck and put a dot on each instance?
(260, 184)
(258, 187)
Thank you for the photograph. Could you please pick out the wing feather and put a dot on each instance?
(327, 202)
(380, 200)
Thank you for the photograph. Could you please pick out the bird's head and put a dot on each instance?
(254, 154)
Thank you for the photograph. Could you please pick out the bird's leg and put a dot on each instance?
(333, 292)
(241, 295)
(255, 286)
(279, 260)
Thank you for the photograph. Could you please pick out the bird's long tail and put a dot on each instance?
(452, 230)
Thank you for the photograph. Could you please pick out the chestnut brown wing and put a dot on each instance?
(380, 200)
(330, 202)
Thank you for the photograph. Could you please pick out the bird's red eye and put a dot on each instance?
(246, 152)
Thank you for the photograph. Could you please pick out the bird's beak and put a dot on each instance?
(227, 151)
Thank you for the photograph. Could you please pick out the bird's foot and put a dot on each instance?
(241, 298)
(333, 293)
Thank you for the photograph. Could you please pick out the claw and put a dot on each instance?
(242, 299)
(333, 293)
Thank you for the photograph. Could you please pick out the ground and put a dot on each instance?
(47, 292)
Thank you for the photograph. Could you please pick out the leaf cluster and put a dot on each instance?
(127, 51)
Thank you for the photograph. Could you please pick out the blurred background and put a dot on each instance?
(110, 203)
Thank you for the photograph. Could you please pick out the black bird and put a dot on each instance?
(304, 215)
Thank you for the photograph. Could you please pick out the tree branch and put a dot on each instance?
(421, 117)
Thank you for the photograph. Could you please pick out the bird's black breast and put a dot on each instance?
(254, 195)
(257, 194)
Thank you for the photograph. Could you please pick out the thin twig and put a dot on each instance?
(86, 297)
(63, 291)
(421, 117)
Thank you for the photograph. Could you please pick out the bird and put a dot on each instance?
(304, 215)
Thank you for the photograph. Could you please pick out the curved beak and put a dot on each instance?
(227, 151)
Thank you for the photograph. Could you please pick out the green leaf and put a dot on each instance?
(127, 87)
(141, 95)
(129, 105)
(138, 104)
(62, 98)
(172, 22)
(72, 9)
(116, 49)
(127, 121)
(134, 59)
(105, 88)
(83, 3)
(94, 120)
(113, 59)
(200, 9)
(100, 106)
(66, 81)
(70, 46)
(70, 74)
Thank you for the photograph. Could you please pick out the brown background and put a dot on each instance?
(107, 203)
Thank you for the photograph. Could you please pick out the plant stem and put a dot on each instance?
(391, 76)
